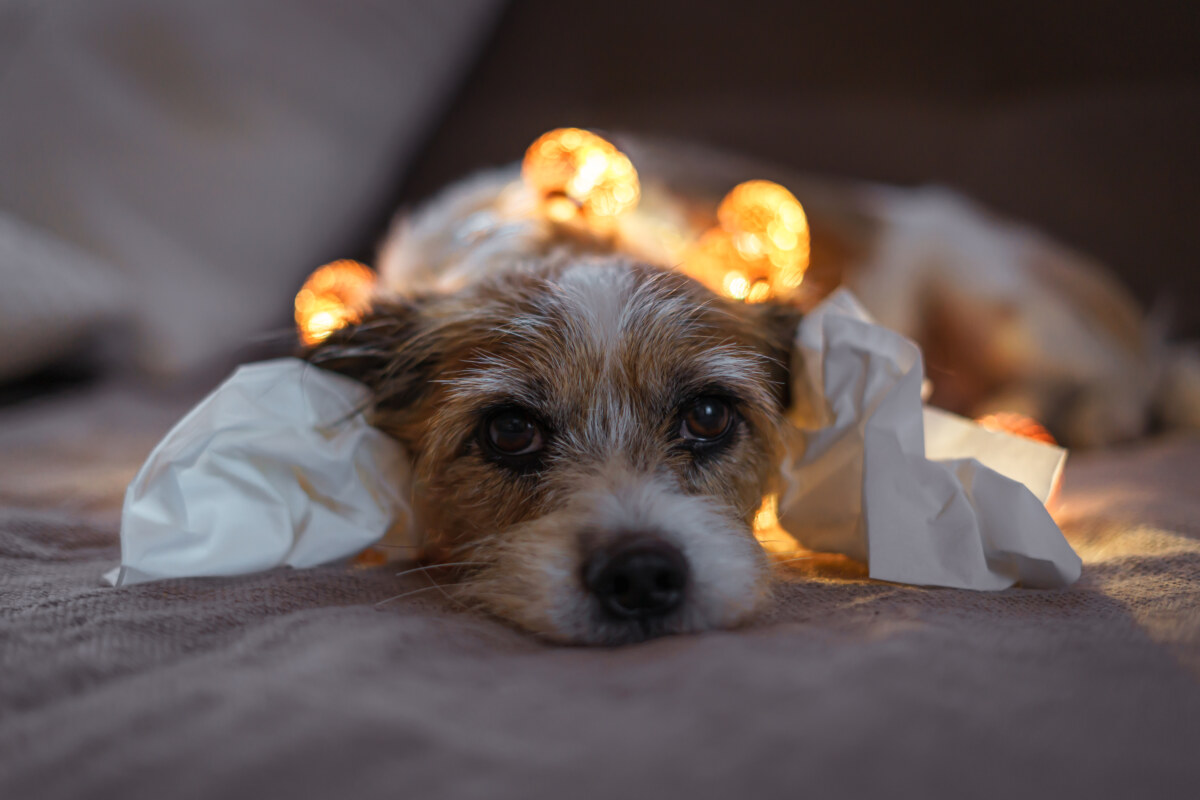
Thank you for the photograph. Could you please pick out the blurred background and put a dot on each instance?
(170, 171)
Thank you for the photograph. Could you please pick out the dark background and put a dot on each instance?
(1081, 118)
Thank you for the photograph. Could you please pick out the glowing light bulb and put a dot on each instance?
(332, 297)
(736, 285)
(761, 247)
(581, 176)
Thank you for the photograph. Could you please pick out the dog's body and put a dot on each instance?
(592, 436)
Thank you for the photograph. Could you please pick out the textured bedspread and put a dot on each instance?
(299, 684)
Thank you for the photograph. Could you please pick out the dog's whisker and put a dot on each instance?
(475, 542)
(472, 546)
(446, 594)
(423, 589)
(439, 566)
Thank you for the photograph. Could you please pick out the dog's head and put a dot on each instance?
(592, 437)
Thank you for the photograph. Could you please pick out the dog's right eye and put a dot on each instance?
(513, 433)
(707, 420)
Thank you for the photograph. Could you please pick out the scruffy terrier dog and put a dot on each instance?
(591, 436)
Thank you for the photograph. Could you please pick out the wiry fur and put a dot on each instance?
(1008, 319)
(491, 303)
(605, 353)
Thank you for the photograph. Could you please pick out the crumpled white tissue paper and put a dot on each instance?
(277, 466)
(859, 481)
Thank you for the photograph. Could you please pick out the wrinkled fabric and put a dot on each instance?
(858, 481)
(278, 466)
(317, 683)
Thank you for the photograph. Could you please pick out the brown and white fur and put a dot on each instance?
(487, 306)
(606, 356)
(1008, 319)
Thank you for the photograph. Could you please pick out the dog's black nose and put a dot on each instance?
(637, 577)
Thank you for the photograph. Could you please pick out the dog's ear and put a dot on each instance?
(776, 322)
(392, 350)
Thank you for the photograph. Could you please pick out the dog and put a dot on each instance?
(593, 432)
(591, 436)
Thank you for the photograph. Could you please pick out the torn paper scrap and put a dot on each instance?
(278, 466)
(859, 482)
(1037, 465)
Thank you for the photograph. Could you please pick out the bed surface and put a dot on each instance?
(297, 683)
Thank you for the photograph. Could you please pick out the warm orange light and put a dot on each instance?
(1018, 425)
(581, 175)
(773, 538)
(760, 249)
(736, 285)
(335, 295)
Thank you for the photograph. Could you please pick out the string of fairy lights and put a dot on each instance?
(758, 250)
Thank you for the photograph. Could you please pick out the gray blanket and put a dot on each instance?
(305, 684)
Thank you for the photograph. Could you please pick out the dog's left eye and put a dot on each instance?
(706, 419)
(513, 433)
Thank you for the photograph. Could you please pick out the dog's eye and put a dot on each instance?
(707, 419)
(513, 433)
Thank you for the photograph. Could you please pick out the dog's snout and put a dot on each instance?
(638, 577)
